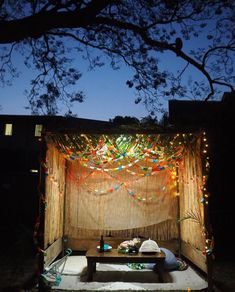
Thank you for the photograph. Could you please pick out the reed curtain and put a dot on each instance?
(191, 196)
(121, 190)
(97, 200)
(129, 190)
(54, 199)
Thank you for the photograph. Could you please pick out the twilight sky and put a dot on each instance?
(106, 95)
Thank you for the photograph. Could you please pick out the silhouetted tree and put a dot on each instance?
(50, 34)
(149, 121)
(164, 121)
(119, 120)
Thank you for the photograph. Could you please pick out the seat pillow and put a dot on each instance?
(170, 262)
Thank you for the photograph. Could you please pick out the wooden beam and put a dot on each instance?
(52, 252)
(194, 255)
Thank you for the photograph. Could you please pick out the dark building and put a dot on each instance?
(21, 146)
(218, 119)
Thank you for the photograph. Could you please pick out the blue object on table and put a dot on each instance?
(107, 247)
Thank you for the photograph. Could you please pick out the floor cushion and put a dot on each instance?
(170, 262)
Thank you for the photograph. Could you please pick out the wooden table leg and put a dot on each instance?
(90, 268)
(160, 270)
(94, 267)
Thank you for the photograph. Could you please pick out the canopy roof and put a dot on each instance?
(121, 151)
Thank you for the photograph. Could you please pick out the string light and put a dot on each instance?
(209, 242)
(118, 153)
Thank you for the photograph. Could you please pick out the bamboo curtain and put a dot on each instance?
(54, 199)
(132, 203)
(191, 194)
(129, 197)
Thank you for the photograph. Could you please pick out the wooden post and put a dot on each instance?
(41, 215)
(178, 209)
(208, 230)
(209, 259)
(64, 237)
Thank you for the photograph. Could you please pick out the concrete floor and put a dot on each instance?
(17, 273)
(115, 277)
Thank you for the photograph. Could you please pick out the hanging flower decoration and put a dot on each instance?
(100, 150)
(139, 155)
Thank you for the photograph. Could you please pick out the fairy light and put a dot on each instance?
(205, 146)
(112, 154)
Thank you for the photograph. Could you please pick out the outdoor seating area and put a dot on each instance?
(116, 277)
(123, 187)
(116, 123)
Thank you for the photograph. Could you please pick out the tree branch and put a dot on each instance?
(133, 31)
(36, 25)
(208, 52)
(160, 45)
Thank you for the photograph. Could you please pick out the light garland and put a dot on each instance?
(205, 194)
(113, 147)
(209, 241)
(113, 154)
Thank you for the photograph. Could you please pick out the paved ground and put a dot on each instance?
(116, 277)
(18, 267)
(17, 273)
(224, 275)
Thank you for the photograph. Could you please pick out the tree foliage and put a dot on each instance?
(51, 34)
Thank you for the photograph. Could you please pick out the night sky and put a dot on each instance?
(107, 94)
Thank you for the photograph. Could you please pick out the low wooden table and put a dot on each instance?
(94, 256)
